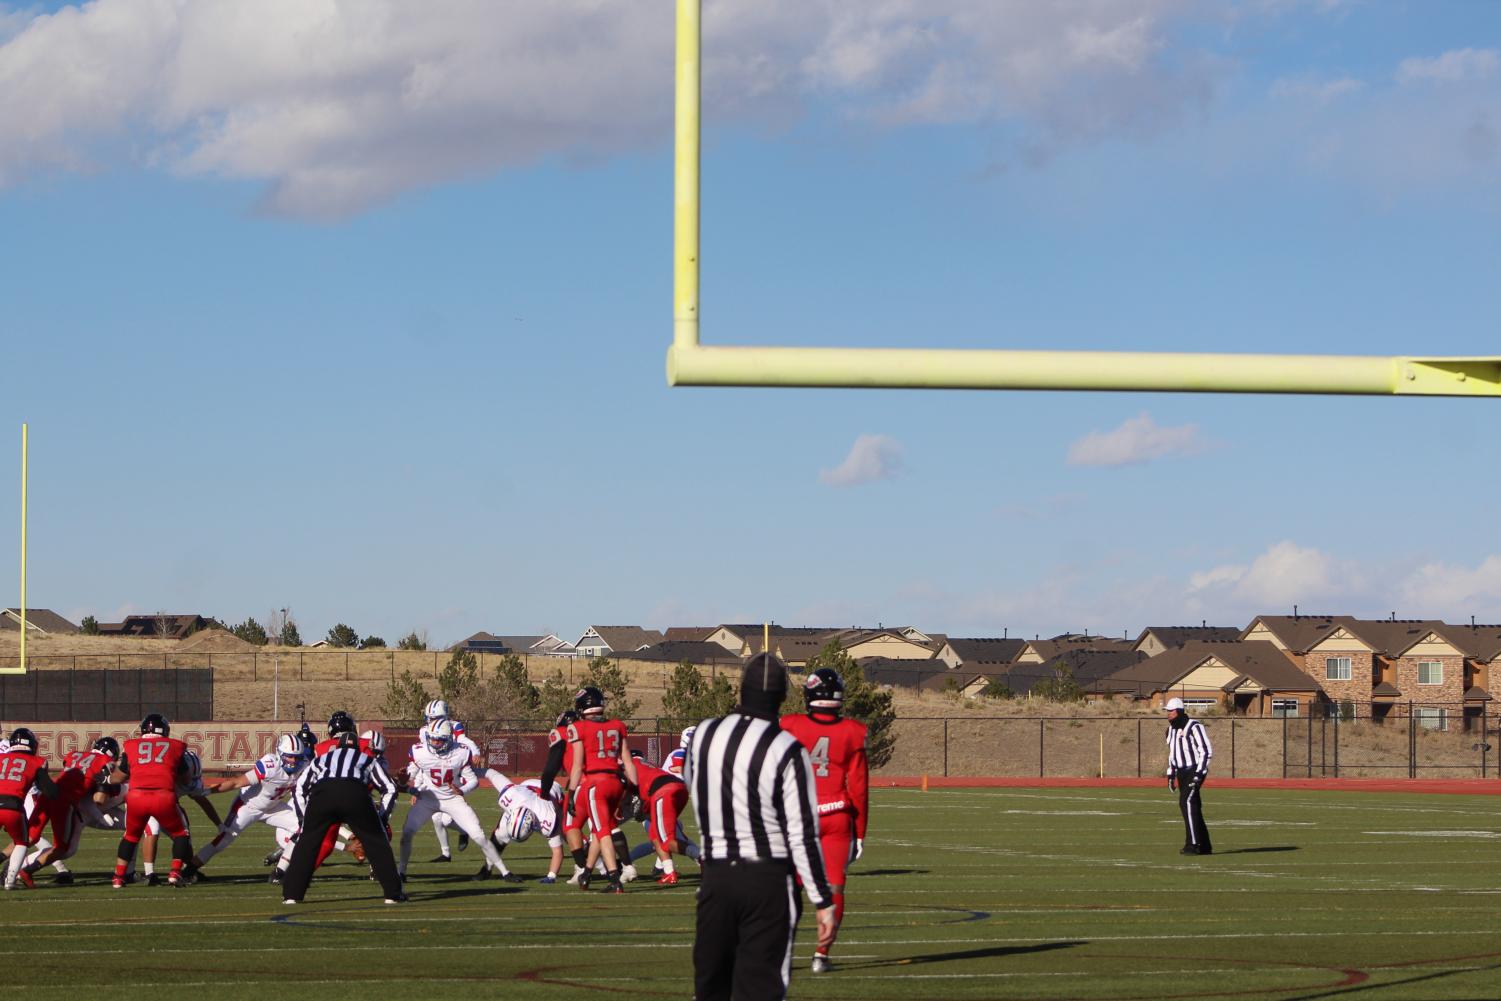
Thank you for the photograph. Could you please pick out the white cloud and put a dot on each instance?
(873, 457)
(1139, 439)
(1316, 91)
(338, 106)
(1277, 579)
(1454, 592)
(1451, 67)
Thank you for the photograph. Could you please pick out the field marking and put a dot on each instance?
(1490, 835)
(863, 943)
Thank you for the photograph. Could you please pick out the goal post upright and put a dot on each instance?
(690, 363)
(22, 668)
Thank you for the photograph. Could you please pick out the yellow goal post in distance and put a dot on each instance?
(690, 363)
(21, 669)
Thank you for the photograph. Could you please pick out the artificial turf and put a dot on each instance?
(1011, 893)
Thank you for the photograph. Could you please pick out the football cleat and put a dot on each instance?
(820, 963)
(548, 879)
(583, 881)
(275, 876)
(153, 880)
(628, 873)
(574, 879)
(26, 880)
(399, 899)
(511, 877)
(63, 879)
(668, 879)
(272, 858)
(484, 872)
(463, 841)
(289, 901)
(616, 888)
(442, 858)
(117, 883)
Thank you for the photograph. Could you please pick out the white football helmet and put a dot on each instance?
(375, 740)
(440, 736)
(294, 753)
(436, 709)
(520, 824)
(687, 737)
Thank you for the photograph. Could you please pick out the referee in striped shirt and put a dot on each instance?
(1188, 754)
(335, 790)
(752, 788)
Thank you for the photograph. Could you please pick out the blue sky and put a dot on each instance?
(362, 310)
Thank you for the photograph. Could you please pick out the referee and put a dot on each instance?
(752, 788)
(1188, 754)
(335, 789)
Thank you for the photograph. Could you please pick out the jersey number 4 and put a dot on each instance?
(820, 756)
(148, 751)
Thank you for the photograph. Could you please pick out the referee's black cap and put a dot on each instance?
(763, 686)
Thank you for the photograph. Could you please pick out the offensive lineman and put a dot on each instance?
(841, 776)
(152, 763)
(21, 768)
(523, 809)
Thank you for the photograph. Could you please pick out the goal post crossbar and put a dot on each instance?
(690, 363)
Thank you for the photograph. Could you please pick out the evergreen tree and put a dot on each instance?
(608, 677)
(251, 631)
(411, 641)
(689, 698)
(343, 636)
(404, 701)
(372, 643)
(89, 626)
(289, 634)
(863, 700)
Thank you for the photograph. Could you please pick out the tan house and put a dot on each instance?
(1045, 651)
(39, 622)
(1252, 678)
(891, 644)
(1159, 639)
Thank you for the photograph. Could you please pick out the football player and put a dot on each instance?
(21, 770)
(153, 763)
(441, 773)
(264, 793)
(340, 722)
(601, 757)
(674, 762)
(841, 776)
(524, 810)
(437, 710)
(84, 772)
(192, 786)
(664, 796)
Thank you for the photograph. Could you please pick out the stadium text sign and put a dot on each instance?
(223, 746)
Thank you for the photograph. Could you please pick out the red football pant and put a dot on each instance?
(598, 800)
(14, 824)
(143, 804)
(836, 833)
(63, 819)
(664, 814)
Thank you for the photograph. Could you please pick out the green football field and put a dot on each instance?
(1007, 893)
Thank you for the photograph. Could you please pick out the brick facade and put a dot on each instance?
(1362, 679)
(1450, 692)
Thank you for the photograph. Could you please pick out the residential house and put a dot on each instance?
(603, 641)
(39, 622)
(688, 634)
(976, 651)
(1084, 666)
(692, 651)
(892, 644)
(1043, 651)
(737, 638)
(173, 627)
(1253, 678)
(1156, 639)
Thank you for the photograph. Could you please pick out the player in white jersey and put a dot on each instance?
(265, 791)
(434, 712)
(440, 774)
(523, 810)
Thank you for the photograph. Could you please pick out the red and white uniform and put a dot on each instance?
(665, 796)
(602, 744)
(842, 780)
(153, 763)
(81, 775)
(267, 798)
(18, 773)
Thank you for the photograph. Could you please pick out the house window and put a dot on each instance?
(1432, 719)
(1285, 707)
(1337, 669)
(1430, 672)
(1200, 705)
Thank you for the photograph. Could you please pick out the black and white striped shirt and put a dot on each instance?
(346, 763)
(1188, 747)
(753, 795)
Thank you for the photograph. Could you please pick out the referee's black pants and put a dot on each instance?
(340, 801)
(1191, 805)
(747, 916)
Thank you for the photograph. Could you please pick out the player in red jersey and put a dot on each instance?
(664, 796)
(84, 772)
(600, 755)
(21, 768)
(837, 748)
(560, 762)
(339, 722)
(153, 763)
